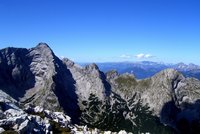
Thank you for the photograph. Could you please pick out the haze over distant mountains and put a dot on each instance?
(145, 69)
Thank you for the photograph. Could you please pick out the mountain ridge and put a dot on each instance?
(108, 101)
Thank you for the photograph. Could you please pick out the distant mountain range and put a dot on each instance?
(145, 69)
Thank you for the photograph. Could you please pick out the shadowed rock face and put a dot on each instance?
(36, 76)
(25, 72)
(15, 74)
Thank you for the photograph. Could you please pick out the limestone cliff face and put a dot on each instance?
(36, 76)
(89, 80)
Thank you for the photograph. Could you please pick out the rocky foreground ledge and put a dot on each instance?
(14, 119)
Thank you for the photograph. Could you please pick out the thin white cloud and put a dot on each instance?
(125, 56)
(143, 56)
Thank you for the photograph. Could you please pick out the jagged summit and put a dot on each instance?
(43, 45)
(92, 66)
(68, 62)
(43, 49)
(112, 74)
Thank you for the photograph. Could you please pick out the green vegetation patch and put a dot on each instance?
(126, 81)
(126, 84)
(144, 84)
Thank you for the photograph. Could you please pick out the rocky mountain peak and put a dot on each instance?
(112, 74)
(8, 50)
(169, 74)
(92, 66)
(68, 62)
(43, 49)
(43, 45)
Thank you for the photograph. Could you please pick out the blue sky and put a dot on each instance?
(105, 30)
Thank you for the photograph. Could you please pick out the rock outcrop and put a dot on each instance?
(39, 121)
(89, 80)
